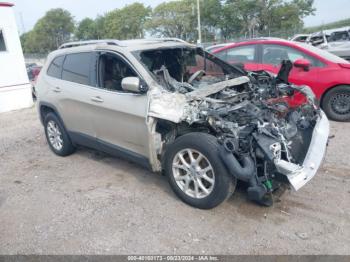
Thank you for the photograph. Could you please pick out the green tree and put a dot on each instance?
(25, 42)
(229, 24)
(174, 19)
(179, 19)
(211, 14)
(55, 28)
(224, 18)
(265, 17)
(86, 30)
(101, 30)
(340, 23)
(127, 22)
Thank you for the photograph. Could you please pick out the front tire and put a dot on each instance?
(56, 136)
(336, 103)
(195, 171)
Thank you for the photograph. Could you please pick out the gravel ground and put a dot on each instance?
(91, 203)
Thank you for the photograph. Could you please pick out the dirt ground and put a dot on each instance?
(91, 203)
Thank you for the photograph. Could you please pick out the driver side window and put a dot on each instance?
(112, 69)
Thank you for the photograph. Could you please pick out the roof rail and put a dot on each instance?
(89, 42)
(169, 39)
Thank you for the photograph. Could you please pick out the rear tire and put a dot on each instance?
(194, 157)
(336, 103)
(56, 136)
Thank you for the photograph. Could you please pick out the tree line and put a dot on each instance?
(220, 20)
(337, 24)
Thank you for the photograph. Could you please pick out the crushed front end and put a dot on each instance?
(264, 141)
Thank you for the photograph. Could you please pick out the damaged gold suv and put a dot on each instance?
(177, 109)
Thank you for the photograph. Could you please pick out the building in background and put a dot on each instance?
(15, 89)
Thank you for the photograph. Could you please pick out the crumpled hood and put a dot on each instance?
(215, 88)
(175, 107)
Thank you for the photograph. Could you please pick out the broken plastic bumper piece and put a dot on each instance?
(298, 175)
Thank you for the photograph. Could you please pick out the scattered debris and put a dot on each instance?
(302, 236)
(284, 212)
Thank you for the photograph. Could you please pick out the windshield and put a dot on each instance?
(325, 54)
(183, 64)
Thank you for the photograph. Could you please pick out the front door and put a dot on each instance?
(118, 116)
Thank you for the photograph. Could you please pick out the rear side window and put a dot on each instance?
(241, 54)
(76, 68)
(2, 42)
(56, 67)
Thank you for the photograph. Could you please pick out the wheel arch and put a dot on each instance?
(45, 108)
(170, 131)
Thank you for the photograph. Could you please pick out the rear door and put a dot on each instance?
(74, 91)
(244, 54)
(69, 80)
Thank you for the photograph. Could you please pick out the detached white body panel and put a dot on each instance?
(15, 89)
(297, 175)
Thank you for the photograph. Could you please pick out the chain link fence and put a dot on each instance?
(38, 59)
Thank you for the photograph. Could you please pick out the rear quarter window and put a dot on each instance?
(55, 67)
(76, 68)
(240, 54)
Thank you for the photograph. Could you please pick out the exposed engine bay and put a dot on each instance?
(264, 140)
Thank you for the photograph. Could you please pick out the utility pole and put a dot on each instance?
(199, 40)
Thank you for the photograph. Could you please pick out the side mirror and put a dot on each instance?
(134, 84)
(303, 63)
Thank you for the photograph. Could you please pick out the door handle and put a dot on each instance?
(57, 89)
(97, 99)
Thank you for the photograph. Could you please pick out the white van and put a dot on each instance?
(15, 89)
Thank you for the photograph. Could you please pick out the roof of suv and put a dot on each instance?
(137, 44)
(120, 46)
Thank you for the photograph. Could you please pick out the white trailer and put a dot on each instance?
(15, 89)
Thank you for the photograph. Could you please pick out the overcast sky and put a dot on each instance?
(28, 12)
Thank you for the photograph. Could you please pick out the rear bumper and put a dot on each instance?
(298, 175)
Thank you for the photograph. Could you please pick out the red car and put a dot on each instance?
(328, 75)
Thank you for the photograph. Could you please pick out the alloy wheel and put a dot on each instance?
(55, 136)
(193, 173)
